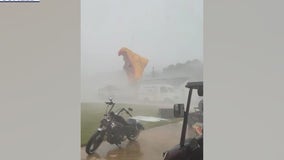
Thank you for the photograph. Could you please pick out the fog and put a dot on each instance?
(166, 32)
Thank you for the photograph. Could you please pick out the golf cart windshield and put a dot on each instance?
(194, 111)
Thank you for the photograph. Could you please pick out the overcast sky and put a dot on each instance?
(164, 31)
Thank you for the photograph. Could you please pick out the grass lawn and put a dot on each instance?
(92, 113)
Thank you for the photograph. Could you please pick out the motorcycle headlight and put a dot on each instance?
(112, 124)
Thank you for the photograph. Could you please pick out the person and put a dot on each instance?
(200, 106)
(198, 126)
(195, 121)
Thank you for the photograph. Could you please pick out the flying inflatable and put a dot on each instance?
(134, 64)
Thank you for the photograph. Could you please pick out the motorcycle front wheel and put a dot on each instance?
(94, 142)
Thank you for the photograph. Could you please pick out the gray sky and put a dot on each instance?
(164, 31)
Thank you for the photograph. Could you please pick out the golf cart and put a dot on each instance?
(190, 148)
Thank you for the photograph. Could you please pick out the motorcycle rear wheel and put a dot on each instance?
(94, 143)
(133, 137)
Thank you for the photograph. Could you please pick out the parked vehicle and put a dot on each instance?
(191, 148)
(158, 93)
(114, 128)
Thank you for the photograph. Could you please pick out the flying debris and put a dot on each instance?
(149, 119)
(134, 64)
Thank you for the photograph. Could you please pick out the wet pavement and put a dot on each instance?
(150, 145)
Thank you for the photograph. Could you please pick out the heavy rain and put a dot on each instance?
(141, 54)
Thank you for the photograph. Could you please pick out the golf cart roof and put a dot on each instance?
(194, 85)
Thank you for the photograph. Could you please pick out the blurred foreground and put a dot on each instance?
(150, 145)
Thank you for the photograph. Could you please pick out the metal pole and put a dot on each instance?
(185, 117)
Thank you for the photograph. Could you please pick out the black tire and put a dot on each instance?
(134, 136)
(94, 143)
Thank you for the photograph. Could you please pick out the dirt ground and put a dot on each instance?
(149, 146)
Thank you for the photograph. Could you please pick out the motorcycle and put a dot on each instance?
(114, 128)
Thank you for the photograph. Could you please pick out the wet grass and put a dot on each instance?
(92, 113)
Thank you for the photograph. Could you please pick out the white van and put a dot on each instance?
(158, 93)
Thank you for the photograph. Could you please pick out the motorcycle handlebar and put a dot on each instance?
(128, 113)
(125, 110)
